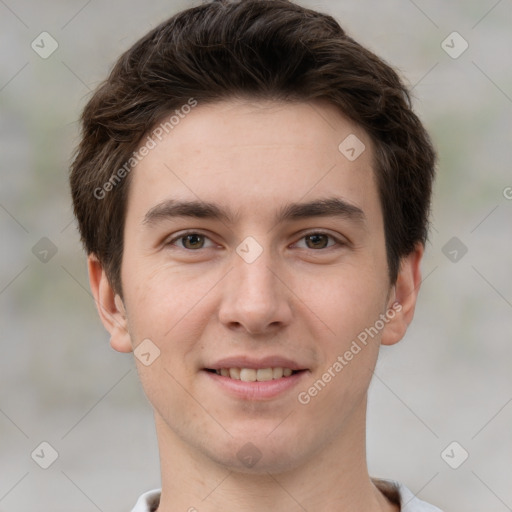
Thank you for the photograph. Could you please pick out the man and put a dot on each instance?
(253, 189)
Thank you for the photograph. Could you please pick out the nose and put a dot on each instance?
(255, 297)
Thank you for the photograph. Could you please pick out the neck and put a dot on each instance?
(192, 481)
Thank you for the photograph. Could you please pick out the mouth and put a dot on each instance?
(255, 374)
(248, 379)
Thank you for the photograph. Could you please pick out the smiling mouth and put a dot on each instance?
(255, 375)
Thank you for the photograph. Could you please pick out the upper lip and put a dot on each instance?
(251, 362)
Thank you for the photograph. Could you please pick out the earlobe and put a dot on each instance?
(109, 305)
(403, 297)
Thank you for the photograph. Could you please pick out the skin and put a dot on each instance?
(303, 298)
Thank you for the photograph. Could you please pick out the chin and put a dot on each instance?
(273, 464)
(259, 454)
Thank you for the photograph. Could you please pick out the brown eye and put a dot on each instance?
(317, 241)
(193, 241)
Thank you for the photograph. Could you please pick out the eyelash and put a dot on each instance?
(311, 233)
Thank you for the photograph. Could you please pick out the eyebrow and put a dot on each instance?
(329, 207)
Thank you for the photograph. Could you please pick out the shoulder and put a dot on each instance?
(394, 491)
(399, 494)
(148, 502)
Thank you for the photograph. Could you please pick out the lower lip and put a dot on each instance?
(256, 390)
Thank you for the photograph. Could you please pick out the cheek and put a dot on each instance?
(349, 307)
(172, 309)
(161, 297)
(348, 301)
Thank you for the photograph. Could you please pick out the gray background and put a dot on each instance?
(448, 380)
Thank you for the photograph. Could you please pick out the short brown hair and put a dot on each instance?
(263, 49)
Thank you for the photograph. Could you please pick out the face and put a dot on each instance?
(254, 248)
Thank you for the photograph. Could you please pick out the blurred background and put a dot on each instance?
(440, 405)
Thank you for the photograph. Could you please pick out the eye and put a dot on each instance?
(193, 241)
(319, 240)
(190, 241)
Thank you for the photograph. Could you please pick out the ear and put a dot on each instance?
(110, 306)
(402, 298)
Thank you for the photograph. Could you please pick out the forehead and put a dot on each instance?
(257, 154)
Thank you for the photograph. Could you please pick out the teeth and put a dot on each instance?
(264, 374)
(277, 373)
(253, 375)
(234, 373)
(248, 374)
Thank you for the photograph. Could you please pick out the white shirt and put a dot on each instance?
(148, 502)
